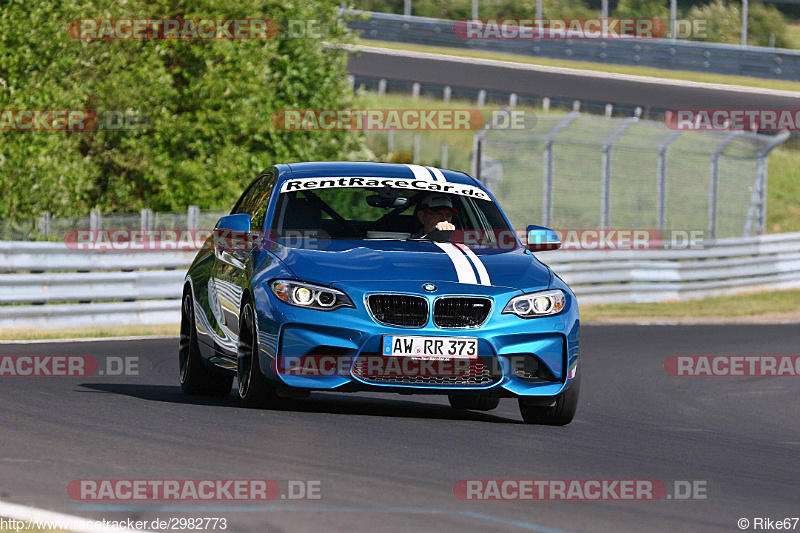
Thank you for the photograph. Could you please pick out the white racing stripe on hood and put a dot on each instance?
(460, 262)
(420, 172)
(437, 174)
(479, 266)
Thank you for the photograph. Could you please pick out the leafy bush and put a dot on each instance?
(643, 9)
(724, 23)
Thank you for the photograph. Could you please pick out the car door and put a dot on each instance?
(231, 264)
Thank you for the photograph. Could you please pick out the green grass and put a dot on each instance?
(783, 192)
(764, 305)
(27, 334)
(687, 75)
(794, 34)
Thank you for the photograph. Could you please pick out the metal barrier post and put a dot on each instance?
(547, 178)
(477, 141)
(661, 188)
(146, 219)
(192, 217)
(758, 200)
(605, 185)
(713, 187)
(95, 220)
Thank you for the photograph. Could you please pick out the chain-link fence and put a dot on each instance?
(583, 171)
(48, 228)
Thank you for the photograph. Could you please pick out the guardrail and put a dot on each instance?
(718, 58)
(46, 285)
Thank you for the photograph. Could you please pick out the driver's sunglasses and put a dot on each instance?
(440, 209)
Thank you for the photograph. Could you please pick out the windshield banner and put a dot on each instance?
(392, 183)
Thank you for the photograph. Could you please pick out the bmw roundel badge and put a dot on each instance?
(429, 287)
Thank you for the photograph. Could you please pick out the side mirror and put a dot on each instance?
(541, 239)
(230, 238)
(239, 222)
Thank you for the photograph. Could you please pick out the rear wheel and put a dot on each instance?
(473, 403)
(195, 377)
(254, 389)
(560, 413)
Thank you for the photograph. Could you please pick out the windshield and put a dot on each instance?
(380, 212)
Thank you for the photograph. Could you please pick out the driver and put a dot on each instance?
(435, 212)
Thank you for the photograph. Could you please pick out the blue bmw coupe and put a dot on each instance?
(349, 277)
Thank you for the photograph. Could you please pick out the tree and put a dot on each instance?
(205, 105)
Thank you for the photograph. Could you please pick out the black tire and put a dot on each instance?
(474, 403)
(559, 414)
(196, 378)
(254, 389)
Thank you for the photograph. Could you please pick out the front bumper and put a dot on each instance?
(550, 344)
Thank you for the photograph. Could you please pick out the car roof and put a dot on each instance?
(368, 169)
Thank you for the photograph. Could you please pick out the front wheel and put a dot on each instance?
(196, 378)
(254, 389)
(560, 413)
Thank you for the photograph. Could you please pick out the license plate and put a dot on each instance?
(431, 347)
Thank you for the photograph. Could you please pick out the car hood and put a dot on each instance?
(378, 260)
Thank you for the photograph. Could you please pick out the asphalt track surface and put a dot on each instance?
(389, 462)
(589, 87)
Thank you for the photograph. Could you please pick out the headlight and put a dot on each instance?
(533, 304)
(309, 296)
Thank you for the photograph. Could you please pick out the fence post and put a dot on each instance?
(447, 93)
(661, 187)
(605, 184)
(95, 220)
(444, 155)
(45, 223)
(415, 90)
(382, 87)
(512, 100)
(713, 186)
(416, 147)
(146, 219)
(477, 142)
(481, 97)
(192, 217)
(545, 105)
(547, 177)
(758, 200)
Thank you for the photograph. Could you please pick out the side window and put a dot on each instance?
(245, 198)
(255, 199)
(261, 200)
